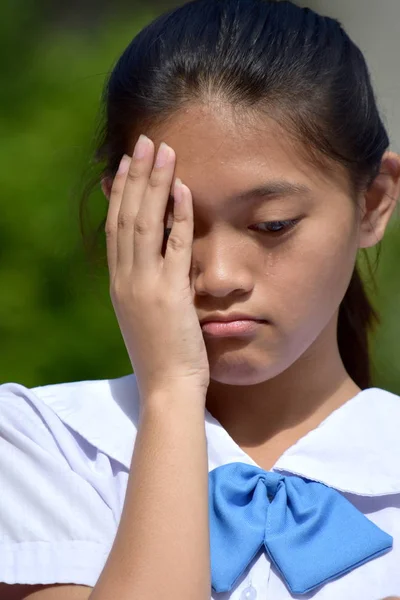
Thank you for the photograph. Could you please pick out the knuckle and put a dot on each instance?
(176, 243)
(121, 286)
(124, 220)
(110, 229)
(118, 292)
(115, 288)
(179, 218)
(124, 292)
(134, 173)
(142, 227)
(155, 181)
(116, 188)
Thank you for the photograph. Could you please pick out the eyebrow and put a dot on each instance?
(274, 188)
(279, 187)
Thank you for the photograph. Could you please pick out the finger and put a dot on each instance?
(106, 186)
(149, 223)
(132, 197)
(111, 227)
(178, 256)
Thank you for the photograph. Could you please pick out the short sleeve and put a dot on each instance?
(55, 526)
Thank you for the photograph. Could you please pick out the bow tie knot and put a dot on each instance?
(310, 532)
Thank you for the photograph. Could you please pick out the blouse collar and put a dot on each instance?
(356, 449)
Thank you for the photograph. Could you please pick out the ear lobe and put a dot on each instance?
(380, 201)
(106, 185)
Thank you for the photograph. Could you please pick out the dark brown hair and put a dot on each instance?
(260, 56)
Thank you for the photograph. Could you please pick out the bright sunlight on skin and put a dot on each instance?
(295, 279)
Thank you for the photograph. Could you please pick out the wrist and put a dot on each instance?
(180, 399)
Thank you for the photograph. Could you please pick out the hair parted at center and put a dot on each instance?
(269, 57)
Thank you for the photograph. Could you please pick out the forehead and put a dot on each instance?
(223, 152)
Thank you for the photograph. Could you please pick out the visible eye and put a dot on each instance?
(279, 226)
(275, 227)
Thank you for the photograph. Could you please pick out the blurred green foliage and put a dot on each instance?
(56, 318)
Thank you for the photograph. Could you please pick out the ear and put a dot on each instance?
(106, 185)
(379, 201)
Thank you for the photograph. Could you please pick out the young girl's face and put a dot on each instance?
(295, 279)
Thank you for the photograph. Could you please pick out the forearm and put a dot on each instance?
(162, 547)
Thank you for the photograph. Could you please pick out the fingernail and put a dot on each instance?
(124, 164)
(163, 155)
(178, 191)
(141, 146)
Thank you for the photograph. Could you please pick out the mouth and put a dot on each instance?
(231, 328)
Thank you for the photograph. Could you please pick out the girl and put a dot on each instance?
(248, 456)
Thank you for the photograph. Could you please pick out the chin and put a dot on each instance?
(244, 373)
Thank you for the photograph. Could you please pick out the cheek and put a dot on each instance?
(309, 276)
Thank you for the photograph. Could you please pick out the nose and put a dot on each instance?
(220, 269)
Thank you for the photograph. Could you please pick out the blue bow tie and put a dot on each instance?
(311, 533)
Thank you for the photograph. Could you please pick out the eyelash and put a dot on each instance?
(286, 225)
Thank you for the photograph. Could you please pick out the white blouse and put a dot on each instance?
(65, 454)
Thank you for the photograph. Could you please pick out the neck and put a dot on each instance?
(267, 418)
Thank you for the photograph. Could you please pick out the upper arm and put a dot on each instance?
(55, 526)
(44, 592)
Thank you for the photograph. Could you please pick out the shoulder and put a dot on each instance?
(65, 454)
(355, 449)
(102, 413)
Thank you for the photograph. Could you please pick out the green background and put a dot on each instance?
(56, 318)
